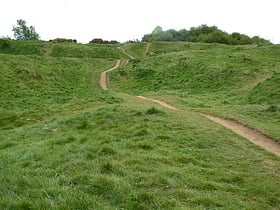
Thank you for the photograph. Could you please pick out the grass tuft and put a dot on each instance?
(154, 111)
(107, 151)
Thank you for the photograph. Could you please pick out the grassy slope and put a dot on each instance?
(35, 86)
(135, 49)
(240, 82)
(77, 147)
(63, 50)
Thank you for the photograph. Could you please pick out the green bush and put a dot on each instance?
(202, 33)
(5, 43)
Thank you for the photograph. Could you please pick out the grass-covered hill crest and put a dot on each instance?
(67, 144)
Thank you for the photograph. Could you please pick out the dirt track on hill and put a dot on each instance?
(126, 53)
(103, 75)
(147, 47)
(162, 103)
(251, 134)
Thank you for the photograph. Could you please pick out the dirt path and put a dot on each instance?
(162, 103)
(103, 75)
(147, 47)
(253, 135)
(126, 53)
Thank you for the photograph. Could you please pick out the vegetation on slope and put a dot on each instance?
(35, 86)
(135, 49)
(66, 144)
(202, 33)
(73, 50)
(217, 77)
(145, 160)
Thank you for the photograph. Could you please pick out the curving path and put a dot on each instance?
(251, 134)
(126, 53)
(162, 103)
(147, 47)
(103, 75)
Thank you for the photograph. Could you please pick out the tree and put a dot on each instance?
(23, 32)
(196, 32)
(217, 36)
(157, 30)
(183, 35)
(202, 33)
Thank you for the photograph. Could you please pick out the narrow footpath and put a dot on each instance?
(126, 53)
(251, 134)
(103, 75)
(162, 103)
(147, 47)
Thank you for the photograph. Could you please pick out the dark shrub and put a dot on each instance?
(5, 43)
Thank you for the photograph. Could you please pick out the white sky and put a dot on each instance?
(124, 20)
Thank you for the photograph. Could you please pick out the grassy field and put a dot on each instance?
(106, 51)
(239, 82)
(66, 144)
(135, 49)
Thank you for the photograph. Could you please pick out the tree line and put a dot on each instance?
(202, 33)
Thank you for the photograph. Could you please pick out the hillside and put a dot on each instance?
(239, 82)
(106, 51)
(67, 144)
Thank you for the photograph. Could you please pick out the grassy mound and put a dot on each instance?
(66, 144)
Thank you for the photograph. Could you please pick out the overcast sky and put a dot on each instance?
(124, 20)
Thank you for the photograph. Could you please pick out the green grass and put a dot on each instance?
(123, 157)
(66, 144)
(240, 80)
(36, 87)
(199, 71)
(62, 50)
(135, 49)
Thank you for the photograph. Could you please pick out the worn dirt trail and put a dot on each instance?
(126, 53)
(162, 103)
(252, 135)
(147, 47)
(103, 75)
